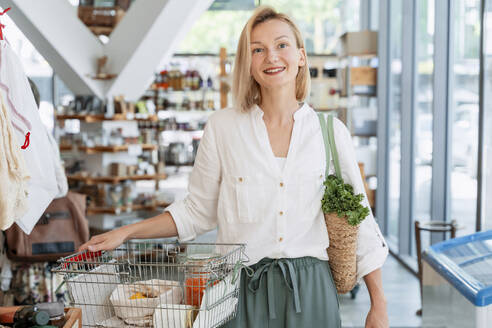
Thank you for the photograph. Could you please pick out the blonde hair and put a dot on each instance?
(245, 90)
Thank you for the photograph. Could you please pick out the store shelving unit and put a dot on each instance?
(357, 77)
(98, 176)
(358, 81)
(181, 106)
(323, 81)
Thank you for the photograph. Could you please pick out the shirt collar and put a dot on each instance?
(298, 114)
(257, 112)
(301, 112)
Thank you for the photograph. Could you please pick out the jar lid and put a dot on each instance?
(201, 261)
(202, 257)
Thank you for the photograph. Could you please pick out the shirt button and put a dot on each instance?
(281, 184)
(280, 239)
(240, 179)
(281, 213)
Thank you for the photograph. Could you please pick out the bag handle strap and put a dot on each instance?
(330, 147)
(324, 132)
(333, 146)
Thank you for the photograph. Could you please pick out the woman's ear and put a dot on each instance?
(302, 58)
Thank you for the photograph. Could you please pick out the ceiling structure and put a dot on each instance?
(148, 34)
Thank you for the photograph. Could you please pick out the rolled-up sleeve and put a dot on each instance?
(372, 249)
(197, 213)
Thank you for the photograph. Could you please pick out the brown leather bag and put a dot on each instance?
(59, 232)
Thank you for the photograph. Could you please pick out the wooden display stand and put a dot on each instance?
(224, 87)
(74, 318)
(101, 20)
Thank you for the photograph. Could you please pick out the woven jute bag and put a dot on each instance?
(342, 252)
(343, 236)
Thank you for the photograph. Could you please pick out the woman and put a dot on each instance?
(258, 177)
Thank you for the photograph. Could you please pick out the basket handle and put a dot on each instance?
(78, 257)
(327, 130)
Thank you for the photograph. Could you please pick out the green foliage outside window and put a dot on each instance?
(321, 23)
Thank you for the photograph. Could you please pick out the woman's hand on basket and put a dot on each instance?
(106, 241)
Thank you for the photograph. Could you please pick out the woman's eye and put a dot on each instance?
(282, 45)
(257, 50)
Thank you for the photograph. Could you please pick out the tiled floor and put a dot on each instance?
(402, 293)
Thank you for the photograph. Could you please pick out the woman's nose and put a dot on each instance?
(272, 56)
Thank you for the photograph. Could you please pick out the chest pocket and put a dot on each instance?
(242, 199)
(311, 190)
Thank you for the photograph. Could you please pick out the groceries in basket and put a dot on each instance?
(150, 284)
(343, 213)
(139, 299)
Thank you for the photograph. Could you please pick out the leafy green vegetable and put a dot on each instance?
(339, 198)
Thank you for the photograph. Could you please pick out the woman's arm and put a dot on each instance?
(158, 226)
(378, 314)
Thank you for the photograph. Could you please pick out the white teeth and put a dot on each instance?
(275, 70)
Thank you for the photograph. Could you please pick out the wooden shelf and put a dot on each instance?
(115, 179)
(107, 149)
(65, 148)
(101, 117)
(123, 209)
(101, 30)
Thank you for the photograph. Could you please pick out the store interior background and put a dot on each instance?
(429, 157)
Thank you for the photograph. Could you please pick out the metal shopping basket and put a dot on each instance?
(153, 284)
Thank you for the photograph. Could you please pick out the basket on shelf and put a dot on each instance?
(101, 16)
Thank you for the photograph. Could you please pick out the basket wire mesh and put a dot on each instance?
(154, 284)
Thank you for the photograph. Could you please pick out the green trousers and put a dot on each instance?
(287, 293)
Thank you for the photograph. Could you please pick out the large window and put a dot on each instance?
(321, 23)
(487, 149)
(441, 41)
(395, 116)
(424, 112)
(464, 98)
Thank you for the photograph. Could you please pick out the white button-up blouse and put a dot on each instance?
(237, 185)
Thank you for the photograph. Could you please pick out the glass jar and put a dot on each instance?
(197, 275)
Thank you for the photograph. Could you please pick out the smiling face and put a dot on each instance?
(275, 58)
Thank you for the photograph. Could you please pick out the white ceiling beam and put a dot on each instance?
(149, 33)
(62, 39)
